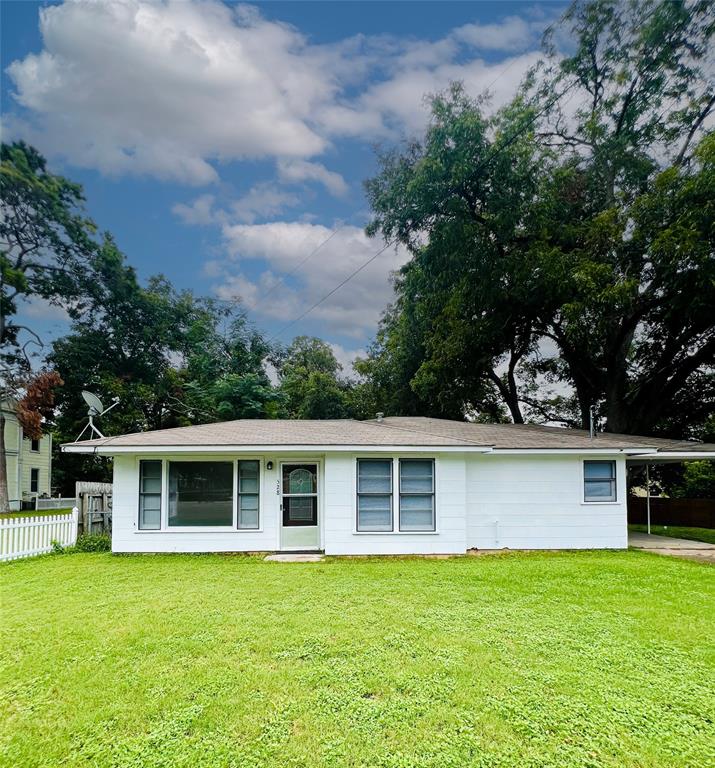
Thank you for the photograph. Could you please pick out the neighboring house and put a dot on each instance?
(29, 462)
(387, 486)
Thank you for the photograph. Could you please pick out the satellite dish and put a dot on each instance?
(94, 403)
(95, 409)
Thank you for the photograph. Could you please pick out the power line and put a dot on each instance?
(372, 258)
(282, 278)
(330, 293)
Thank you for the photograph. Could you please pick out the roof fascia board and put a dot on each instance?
(570, 451)
(110, 450)
(678, 455)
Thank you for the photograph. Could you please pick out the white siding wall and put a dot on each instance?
(126, 536)
(536, 502)
(483, 501)
(340, 500)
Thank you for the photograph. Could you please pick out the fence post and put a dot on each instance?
(75, 522)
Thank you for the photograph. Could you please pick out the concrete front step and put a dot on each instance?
(295, 557)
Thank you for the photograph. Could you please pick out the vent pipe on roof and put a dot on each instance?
(592, 425)
(379, 416)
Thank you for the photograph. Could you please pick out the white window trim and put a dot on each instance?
(433, 493)
(391, 459)
(395, 495)
(584, 501)
(233, 528)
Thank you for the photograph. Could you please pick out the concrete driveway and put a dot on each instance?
(667, 545)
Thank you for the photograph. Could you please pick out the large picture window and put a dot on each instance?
(200, 493)
(417, 495)
(248, 493)
(599, 481)
(374, 494)
(149, 495)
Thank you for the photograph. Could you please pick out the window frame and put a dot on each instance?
(358, 493)
(233, 527)
(33, 443)
(35, 480)
(238, 493)
(613, 480)
(395, 459)
(143, 493)
(432, 494)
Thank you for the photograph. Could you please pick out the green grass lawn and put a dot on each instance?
(678, 531)
(35, 513)
(592, 659)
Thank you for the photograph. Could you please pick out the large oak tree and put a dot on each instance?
(568, 239)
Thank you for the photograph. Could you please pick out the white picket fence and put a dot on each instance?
(27, 536)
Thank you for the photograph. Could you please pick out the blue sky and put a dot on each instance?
(222, 144)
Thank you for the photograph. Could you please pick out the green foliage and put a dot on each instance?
(86, 542)
(93, 542)
(554, 248)
(46, 249)
(551, 660)
(698, 481)
(310, 382)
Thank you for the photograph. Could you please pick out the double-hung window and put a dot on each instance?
(34, 480)
(150, 495)
(411, 481)
(599, 481)
(417, 495)
(374, 494)
(248, 493)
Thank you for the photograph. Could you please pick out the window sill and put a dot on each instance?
(601, 504)
(395, 533)
(198, 530)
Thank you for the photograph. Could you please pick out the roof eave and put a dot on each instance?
(112, 450)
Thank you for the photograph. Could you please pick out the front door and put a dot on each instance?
(299, 506)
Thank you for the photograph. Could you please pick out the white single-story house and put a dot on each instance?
(398, 485)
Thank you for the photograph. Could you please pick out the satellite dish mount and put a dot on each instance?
(95, 409)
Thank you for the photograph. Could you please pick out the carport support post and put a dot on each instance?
(647, 493)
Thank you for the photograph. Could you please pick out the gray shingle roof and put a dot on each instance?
(398, 431)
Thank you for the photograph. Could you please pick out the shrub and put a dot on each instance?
(57, 548)
(93, 542)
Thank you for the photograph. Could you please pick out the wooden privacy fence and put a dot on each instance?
(27, 536)
(698, 513)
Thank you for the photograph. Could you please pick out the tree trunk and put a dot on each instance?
(4, 498)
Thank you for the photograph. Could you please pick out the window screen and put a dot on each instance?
(248, 493)
(599, 480)
(374, 495)
(417, 495)
(149, 495)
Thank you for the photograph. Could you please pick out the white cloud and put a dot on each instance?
(346, 358)
(263, 200)
(510, 34)
(282, 246)
(164, 88)
(175, 87)
(199, 212)
(302, 170)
